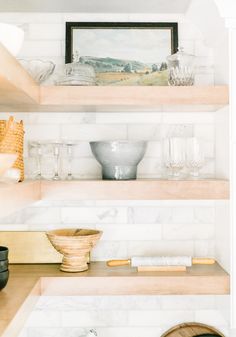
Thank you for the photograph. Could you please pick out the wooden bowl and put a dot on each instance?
(74, 244)
(192, 330)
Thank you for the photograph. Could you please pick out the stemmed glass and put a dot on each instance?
(174, 156)
(38, 155)
(195, 156)
(56, 152)
(69, 147)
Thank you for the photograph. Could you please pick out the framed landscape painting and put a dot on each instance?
(123, 53)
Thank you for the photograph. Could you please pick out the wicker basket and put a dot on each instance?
(12, 141)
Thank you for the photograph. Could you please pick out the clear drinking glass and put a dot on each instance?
(69, 147)
(194, 156)
(36, 148)
(174, 155)
(56, 151)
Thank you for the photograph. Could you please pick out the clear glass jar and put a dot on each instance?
(181, 68)
(77, 73)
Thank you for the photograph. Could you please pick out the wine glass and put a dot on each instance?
(174, 156)
(194, 156)
(69, 147)
(38, 155)
(56, 152)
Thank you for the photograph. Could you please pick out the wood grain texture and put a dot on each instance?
(135, 190)
(118, 263)
(19, 92)
(191, 330)
(11, 106)
(13, 197)
(136, 95)
(15, 309)
(29, 247)
(75, 245)
(27, 282)
(16, 85)
(102, 280)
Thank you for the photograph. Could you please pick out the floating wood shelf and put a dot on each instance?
(19, 92)
(46, 280)
(135, 190)
(16, 86)
(13, 197)
(136, 98)
(127, 281)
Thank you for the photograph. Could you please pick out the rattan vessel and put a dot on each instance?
(12, 141)
(74, 244)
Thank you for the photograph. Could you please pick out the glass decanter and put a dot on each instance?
(181, 68)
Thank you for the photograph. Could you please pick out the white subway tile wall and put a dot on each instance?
(85, 127)
(130, 227)
(45, 35)
(121, 315)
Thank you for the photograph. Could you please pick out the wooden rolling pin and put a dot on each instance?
(160, 261)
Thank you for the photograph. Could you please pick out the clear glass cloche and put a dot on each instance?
(77, 73)
(181, 68)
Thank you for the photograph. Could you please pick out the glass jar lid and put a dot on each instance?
(181, 57)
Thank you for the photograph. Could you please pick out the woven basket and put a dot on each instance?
(12, 141)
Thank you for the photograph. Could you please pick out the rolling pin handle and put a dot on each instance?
(117, 263)
(199, 260)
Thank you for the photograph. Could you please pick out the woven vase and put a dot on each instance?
(12, 141)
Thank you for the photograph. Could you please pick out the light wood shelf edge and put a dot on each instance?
(16, 85)
(13, 197)
(98, 280)
(19, 92)
(133, 95)
(103, 280)
(152, 189)
(19, 307)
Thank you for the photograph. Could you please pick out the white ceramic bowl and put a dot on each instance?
(6, 161)
(119, 159)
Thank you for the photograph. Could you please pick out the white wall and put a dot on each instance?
(205, 16)
(45, 35)
(130, 228)
(121, 315)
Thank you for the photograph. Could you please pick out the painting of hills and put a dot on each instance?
(123, 55)
(111, 71)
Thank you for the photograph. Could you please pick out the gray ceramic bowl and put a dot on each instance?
(4, 279)
(3, 253)
(3, 265)
(119, 159)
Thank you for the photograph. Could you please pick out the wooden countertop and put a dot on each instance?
(28, 282)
